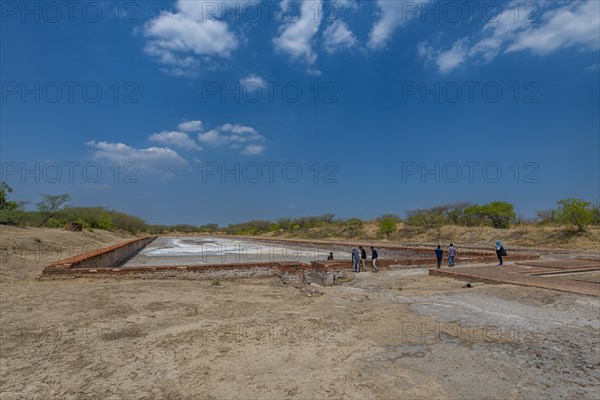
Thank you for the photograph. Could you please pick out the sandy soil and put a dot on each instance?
(396, 334)
(24, 252)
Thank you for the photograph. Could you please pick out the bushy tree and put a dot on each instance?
(387, 226)
(547, 217)
(5, 204)
(426, 218)
(500, 213)
(596, 213)
(575, 212)
(51, 204)
(393, 217)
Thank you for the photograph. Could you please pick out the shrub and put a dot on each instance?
(575, 212)
(387, 226)
(500, 213)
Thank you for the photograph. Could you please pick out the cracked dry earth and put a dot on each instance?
(393, 335)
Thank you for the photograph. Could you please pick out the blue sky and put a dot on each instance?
(202, 111)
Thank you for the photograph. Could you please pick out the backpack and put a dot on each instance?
(503, 252)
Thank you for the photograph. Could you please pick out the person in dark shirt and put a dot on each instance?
(439, 253)
(330, 256)
(363, 258)
(374, 257)
(500, 252)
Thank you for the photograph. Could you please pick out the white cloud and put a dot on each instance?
(152, 159)
(569, 24)
(187, 38)
(236, 137)
(175, 138)
(338, 37)
(575, 24)
(450, 59)
(593, 67)
(392, 14)
(213, 138)
(313, 72)
(295, 38)
(253, 149)
(340, 4)
(190, 126)
(253, 82)
(202, 10)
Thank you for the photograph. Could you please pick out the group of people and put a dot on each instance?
(362, 257)
(439, 253)
(359, 257)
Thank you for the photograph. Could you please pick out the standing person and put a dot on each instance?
(363, 258)
(374, 257)
(355, 260)
(500, 252)
(439, 253)
(451, 255)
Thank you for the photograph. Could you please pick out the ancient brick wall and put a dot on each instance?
(108, 263)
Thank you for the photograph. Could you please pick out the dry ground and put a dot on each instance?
(396, 334)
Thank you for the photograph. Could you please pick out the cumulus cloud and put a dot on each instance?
(253, 81)
(392, 14)
(340, 4)
(185, 39)
(575, 24)
(295, 37)
(152, 159)
(175, 138)
(450, 59)
(239, 137)
(338, 36)
(190, 126)
(253, 149)
(562, 25)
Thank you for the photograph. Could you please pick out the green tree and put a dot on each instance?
(393, 217)
(51, 204)
(575, 212)
(354, 224)
(431, 218)
(5, 204)
(500, 213)
(596, 213)
(546, 217)
(387, 226)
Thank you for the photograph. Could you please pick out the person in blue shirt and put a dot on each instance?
(451, 255)
(439, 253)
(355, 260)
(500, 252)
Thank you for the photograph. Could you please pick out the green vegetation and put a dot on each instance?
(497, 214)
(54, 211)
(51, 204)
(387, 224)
(575, 212)
(5, 204)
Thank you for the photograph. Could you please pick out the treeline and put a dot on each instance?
(323, 226)
(55, 211)
(572, 212)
